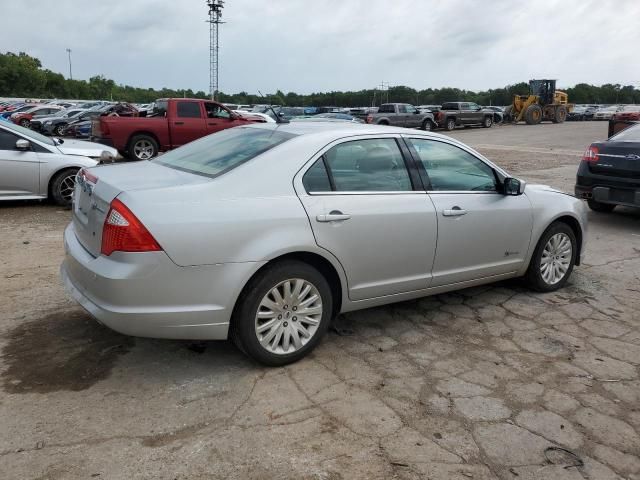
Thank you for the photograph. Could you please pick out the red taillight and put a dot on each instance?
(591, 154)
(88, 176)
(369, 118)
(123, 232)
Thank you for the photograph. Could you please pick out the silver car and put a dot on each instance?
(34, 166)
(264, 233)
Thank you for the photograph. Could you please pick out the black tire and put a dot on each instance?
(25, 123)
(427, 125)
(533, 115)
(142, 147)
(534, 277)
(61, 186)
(243, 326)
(488, 122)
(59, 130)
(450, 124)
(560, 114)
(383, 122)
(600, 207)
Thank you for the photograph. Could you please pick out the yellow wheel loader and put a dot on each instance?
(544, 102)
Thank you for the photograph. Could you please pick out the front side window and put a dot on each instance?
(451, 168)
(374, 165)
(188, 109)
(215, 111)
(402, 109)
(218, 153)
(8, 140)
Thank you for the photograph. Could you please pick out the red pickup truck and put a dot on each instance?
(176, 121)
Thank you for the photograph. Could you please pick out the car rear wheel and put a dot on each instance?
(553, 258)
(62, 186)
(59, 130)
(283, 313)
(488, 121)
(451, 124)
(600, 207)
(25, 123)
(143, 147)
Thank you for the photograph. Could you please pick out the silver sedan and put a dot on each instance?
(33, 166)
(265, 233)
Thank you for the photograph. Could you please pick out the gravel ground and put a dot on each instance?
(487, 383)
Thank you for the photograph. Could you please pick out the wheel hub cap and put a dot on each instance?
(143, 150)
(288, 316)
(67, 186)
(556, 258)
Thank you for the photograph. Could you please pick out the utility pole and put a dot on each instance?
(384, 87)
(215, 15)
(70, 74)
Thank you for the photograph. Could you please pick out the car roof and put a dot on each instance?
(342, 129)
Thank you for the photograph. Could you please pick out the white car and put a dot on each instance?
(244, 113)
(606, 113)
(33, 166)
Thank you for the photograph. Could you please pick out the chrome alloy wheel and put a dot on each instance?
(556, 258)
(143, 150)
(288, 316)
(67, 185)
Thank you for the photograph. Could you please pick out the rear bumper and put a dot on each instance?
(147, 295)
(611, 195)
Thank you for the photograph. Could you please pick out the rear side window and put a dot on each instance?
(189, 109)
(386, 109)
(451, 168)
(374, 165)
(216, 154)
(317, 179)
(629, 134)
(450, 106)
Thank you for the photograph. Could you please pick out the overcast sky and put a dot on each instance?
(310, 45)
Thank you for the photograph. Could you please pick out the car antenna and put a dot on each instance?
(278, 118)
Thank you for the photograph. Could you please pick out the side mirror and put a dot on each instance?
(513, 186)
(23, 145)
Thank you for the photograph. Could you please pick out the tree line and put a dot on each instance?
(22, 75)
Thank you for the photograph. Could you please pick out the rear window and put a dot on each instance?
(221, 152)
(629, 134)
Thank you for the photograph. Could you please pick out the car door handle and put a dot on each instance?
(178, 123)
(334, 216)
(454, 212)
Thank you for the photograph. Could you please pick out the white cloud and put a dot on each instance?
(306, 46)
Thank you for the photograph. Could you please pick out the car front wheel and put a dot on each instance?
(283, 313)
(62, 186)
(553, 258)
(451, 124)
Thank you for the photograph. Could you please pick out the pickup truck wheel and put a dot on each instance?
(488, 121)
(427, 126)
(143, 147)
(451, 124)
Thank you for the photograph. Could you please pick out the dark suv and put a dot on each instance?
(609, 173)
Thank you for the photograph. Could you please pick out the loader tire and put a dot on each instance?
(533, 115)
(560, 114)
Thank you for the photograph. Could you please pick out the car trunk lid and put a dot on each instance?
(620, 159)
(97, 187)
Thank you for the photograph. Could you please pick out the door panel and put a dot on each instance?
(363, 209)
(386, 245)
(479, 235)
(188, 124)
(19, 170)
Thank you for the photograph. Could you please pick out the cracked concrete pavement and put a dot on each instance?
(477, 384)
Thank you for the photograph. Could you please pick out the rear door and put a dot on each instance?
(187, 122)
(465, 115)
(481, 232)
(19, 170)
(364, 209)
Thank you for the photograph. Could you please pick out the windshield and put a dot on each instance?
(629, 134)
(26, 132)
(221, 152)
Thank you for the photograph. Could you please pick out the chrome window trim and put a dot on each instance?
(369, 192)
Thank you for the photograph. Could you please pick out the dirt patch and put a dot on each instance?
(61, 351)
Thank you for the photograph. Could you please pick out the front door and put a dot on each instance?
(364, 210)
(481, 232)
(219, 118)
(187, 124)
(20, 170)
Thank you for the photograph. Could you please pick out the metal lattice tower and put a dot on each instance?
(215, 16)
